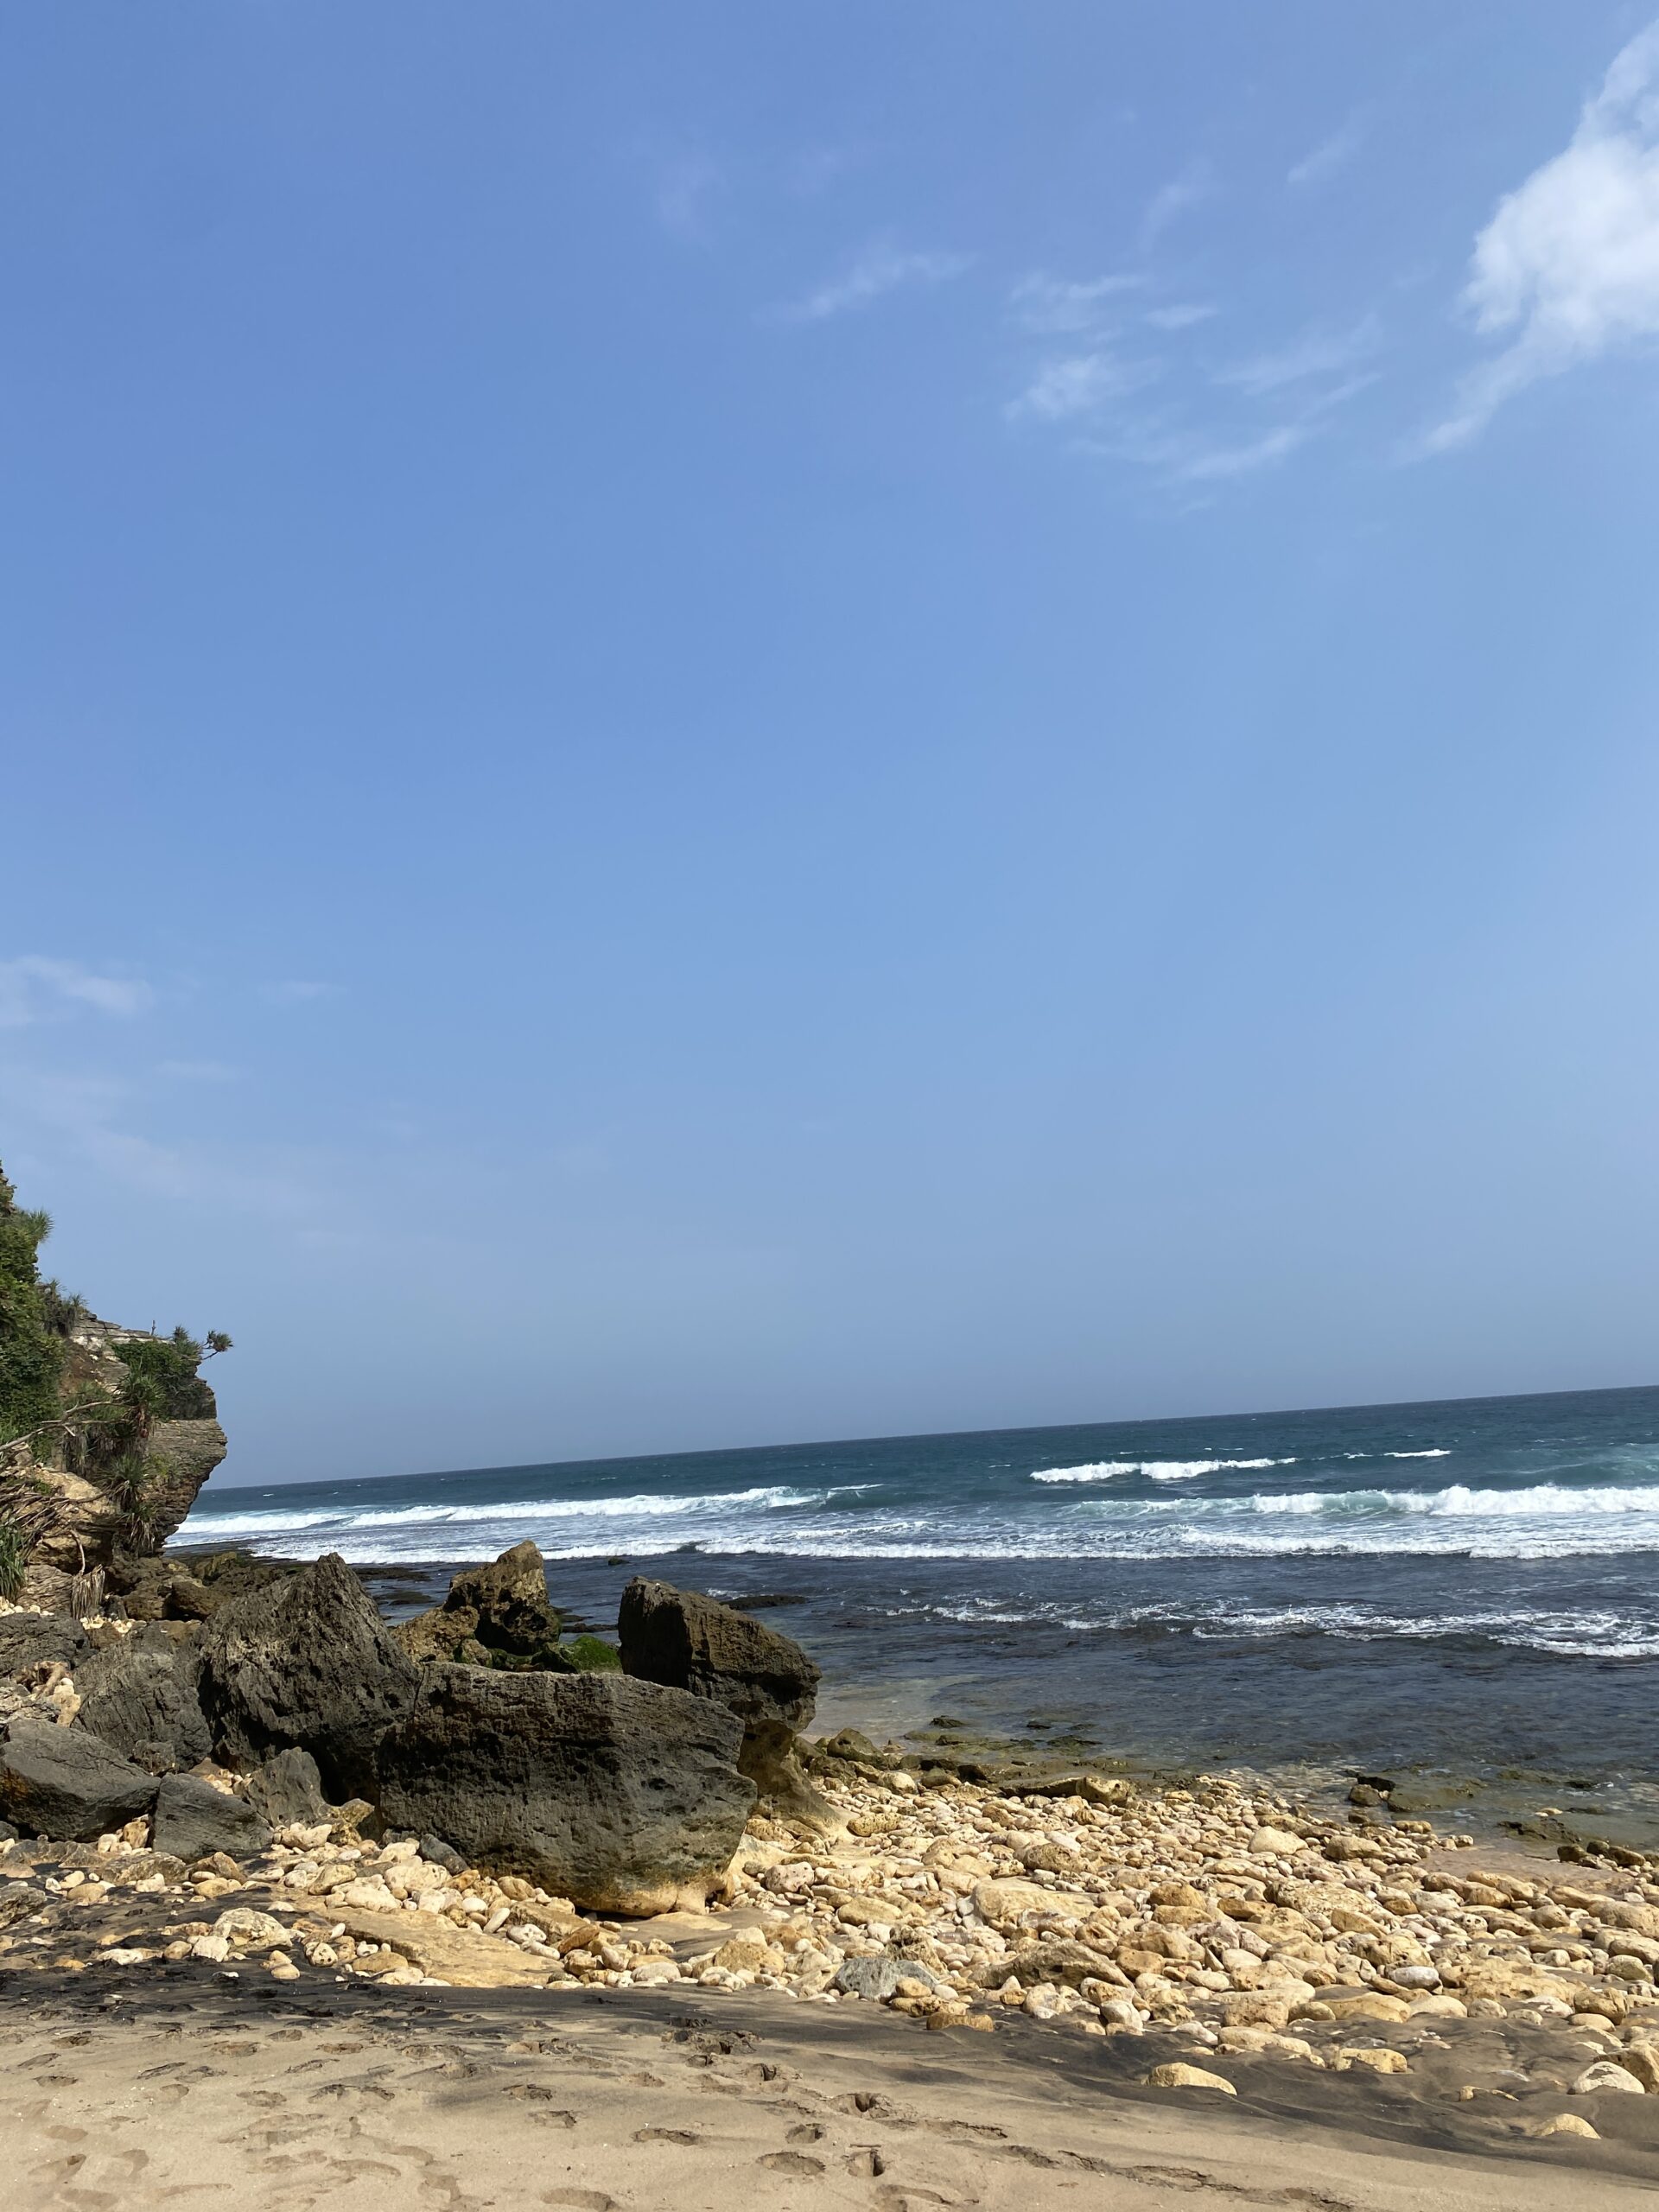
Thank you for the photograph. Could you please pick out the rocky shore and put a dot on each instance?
(264, 1781)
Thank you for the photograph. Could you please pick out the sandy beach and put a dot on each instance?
(696, 2059)
(121, 2096)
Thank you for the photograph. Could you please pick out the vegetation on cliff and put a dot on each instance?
(60, 1412)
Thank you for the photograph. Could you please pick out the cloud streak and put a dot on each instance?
(35, 989)
(878, 271)
(1568, 269)
(1334, 153)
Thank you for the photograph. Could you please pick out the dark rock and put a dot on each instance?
(64, 1782)
(851, 1744)
(193, 1820)
(686, 1640)
(139, 1696)
(502, 1607)
(437, 1853)
(18, 1900)
(8, 1833)
(878, 1978)
(27, 1639)
(622, 1796)
(287, 1791)
(306, 1662)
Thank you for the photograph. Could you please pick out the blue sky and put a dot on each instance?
(734, 724)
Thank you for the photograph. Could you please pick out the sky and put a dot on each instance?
(738, 724)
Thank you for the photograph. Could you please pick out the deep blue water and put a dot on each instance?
(1474, 1582)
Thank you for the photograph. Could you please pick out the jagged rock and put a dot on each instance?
(28, 1639)
(306, 1662)
(193, 1820)
(139, 1696)
(287, 1791)
(502, 1607)
(621, 1795)
(686, 1640)
(64, 1782)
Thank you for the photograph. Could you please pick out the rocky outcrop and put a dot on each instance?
(306, 1662)
(65, 1784)
(87, 1529)
(139, 1696)
(622, 1796)
(502, 1608)
(686, 1640)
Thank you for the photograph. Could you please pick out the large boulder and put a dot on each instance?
(28, 1640)
(64, 1783)
(307, 1662)
(139, 1696)
(621, 1795)
(686, 1640)
(193, 1820)
(500, 1608)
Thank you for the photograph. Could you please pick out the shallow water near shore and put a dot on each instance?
(1466, 1592)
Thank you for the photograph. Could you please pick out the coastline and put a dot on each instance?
(989, 1969)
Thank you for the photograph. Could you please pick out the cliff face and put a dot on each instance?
(106, 1433)
(180, 1455)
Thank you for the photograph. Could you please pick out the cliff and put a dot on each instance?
(106, 1433)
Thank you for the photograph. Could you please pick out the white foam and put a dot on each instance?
(1437, 1451)
(1098, 1471)
(641, 1507)
(1159, 1471)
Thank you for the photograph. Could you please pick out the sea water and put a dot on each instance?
(1466, 1589)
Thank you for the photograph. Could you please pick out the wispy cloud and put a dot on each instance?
(1568, 266)
(1078, 383)
(1057, 306)
(1188, 457)
(1315, 354)
(879, 269)
(34, 989)
(1172, 201)
(1332, 153)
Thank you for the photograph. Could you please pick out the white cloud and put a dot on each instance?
(1172, 201)
(1188, 457)
(1569, 263)
(1333, 154)
(1077, 384)
(34, 988)
(1181, 317)
(1054, 307)
(878, 270)
(1314, 354)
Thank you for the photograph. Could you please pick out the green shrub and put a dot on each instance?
(31, 1349)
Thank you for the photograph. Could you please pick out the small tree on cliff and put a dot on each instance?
(104, 1434)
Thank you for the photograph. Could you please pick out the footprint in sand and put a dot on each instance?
(790, 2162)
(665, 2135)
(582, 2200)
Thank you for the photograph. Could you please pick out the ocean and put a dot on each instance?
(1464, 1592)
